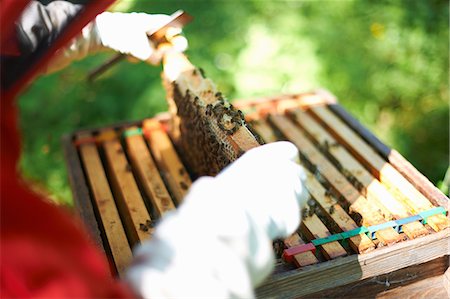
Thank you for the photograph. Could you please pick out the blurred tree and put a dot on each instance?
(386, 61)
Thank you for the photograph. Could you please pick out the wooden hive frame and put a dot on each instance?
(127, 176)
(207, 129)
(370, 273)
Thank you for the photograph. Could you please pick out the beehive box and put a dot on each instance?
(125, 177)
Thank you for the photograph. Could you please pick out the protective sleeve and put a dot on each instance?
(40, 25)
(125, 33)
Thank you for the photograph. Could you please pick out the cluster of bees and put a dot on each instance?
(204, 130)
(325, 149)
(228, 118)
(148, 225)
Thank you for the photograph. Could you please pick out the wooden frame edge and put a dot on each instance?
(446, 281)
(345, 270)
(417, 179)
(80, 190)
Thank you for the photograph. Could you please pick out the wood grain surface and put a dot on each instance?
(108, 215)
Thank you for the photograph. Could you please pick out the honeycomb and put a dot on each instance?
(209, 132)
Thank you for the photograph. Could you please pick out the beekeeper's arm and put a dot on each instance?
(122, 32)
(218, 243)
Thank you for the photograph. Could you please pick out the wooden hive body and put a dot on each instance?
(125, 177)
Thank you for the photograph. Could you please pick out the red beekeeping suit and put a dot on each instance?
(44, 251)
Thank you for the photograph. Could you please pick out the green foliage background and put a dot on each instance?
(386, 61)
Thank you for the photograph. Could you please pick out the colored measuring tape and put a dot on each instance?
(145, 131)
(288, 254)
(132, 132)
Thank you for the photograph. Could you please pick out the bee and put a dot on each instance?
(143, 227)
(359, 186)
(241, 115)
(150, 223)
(183, 186)
(278, 247)
(304, 212)
(218, 110)
(209, 108)
(231, 131)
(331, 210)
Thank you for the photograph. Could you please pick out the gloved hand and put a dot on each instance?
(218, 243)
(127, 34)
(123, 32)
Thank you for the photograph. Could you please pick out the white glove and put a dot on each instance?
(127, 34)
(122, 32)
(218, 243)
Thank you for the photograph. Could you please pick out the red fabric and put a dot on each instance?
(44, 252)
